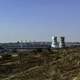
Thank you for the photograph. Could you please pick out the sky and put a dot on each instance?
(39, 20)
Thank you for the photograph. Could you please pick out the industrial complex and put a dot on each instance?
(57, 42)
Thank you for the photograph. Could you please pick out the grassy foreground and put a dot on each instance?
(59, 64)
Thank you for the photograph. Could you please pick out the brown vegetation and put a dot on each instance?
(58, 64)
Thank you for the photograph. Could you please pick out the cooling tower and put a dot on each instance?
(54, 42)
(62, 42)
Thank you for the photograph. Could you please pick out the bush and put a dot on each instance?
(39, 50)
(49, 49)
(6, 56)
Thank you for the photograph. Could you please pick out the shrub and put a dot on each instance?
(6, 56)
(39, 50)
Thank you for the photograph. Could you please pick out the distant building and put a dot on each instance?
(54, 42)
(62, 42)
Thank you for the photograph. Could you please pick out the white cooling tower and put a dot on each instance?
(54, 42)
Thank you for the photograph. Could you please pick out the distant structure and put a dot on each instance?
(21, 44)
(54, 42)
(62, 42)
(57, 42)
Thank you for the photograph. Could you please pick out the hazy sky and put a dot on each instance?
(39, 19)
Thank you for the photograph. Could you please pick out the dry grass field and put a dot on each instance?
(58, 64)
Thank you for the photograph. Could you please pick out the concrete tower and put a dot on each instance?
(54, 42)
(62, 42)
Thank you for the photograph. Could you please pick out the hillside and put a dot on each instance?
(58, 64)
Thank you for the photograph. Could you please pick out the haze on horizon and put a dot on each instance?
(39, 20)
